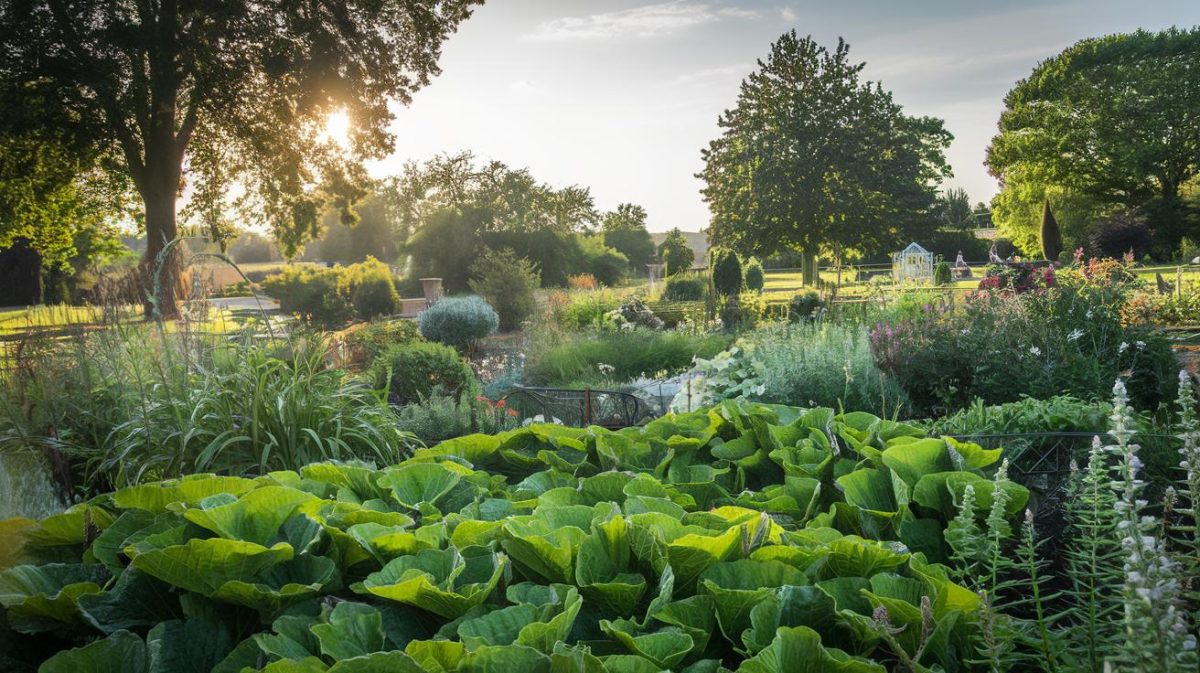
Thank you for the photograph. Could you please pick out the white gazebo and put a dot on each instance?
(913, 264)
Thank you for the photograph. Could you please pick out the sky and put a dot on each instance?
(620, 96)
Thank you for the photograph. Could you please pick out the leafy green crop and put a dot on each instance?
(749, 538)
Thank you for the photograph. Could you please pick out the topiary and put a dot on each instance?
(458, 321)
(677, 255)
(412, 373)
(726, 272)
(755, 279)
(803, 306)
(941, 273)
(1052, 243)
(684, 288)
(507, 282)
(313, 293)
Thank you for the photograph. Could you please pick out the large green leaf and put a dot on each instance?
(445, 583)
(205, 566)
(191, 646)
(664, 648)
(941, 491)
(189, 490)
(136, 600)
(45, 598)
(122, 651)
(915, 459)
(352, 630)
(738, 586)
(415, 483)
(798, 650)
(256, 516)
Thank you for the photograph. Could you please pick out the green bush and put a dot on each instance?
(586, 308)
(458, 321)
(608, 265)
(804, 306)
(606, 357)
(941, 273)
(367, 341)
(685, 288)
(371, 289)
(442, 417)
(677, 256)
(507, 282)
(726, 272)
(412, 373)
(313, 293)
(755, 280)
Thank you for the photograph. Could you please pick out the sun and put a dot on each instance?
(337, 128)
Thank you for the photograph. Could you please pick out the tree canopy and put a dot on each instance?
(229, 92)
(509, 199)
(625, 231)
(811, 158)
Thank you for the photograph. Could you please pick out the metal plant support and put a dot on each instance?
(580, 408)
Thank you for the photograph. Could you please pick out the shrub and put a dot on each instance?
(1050, 236)
(1119, 234)
(507, 282)
(606, 264)
(685, 288)
(555, 254)
(367, 341)
(941, 273)
(726, 272)
(371, 289)
(586, 309)
(415, 372)
(313, 293)
(633, 312)
(624, 354)
(582, 281)
(819, 365)
(636, 244)
(443, 417)
(804, 306)
(458, 321)
(755, 280)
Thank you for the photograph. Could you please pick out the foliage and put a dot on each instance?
(685, 288)
(578, 310)
(607, 264)
(820, 365)
(507, 282)
(371, 290)
(1017, 211)
(583, 281)
(253, 248)
(1068, 339)
(677, 256)
(446, 245)
(1119, 234)
(367, 341)
(766, 539)
(458, 321)
(229, 91)
(1148, 307)
(952, 210)
(726, 271)
(441, 417)
(804, 306)
(376, 232)
(1018, 277)
(941, 273)
(556, 254)
(1051, 237)
(624, 230)
(615, 356)
(332, 295)
(412, 373)
(754, 275)
(159, 405)
(772, 181)
(633, 313)
(1092, 99)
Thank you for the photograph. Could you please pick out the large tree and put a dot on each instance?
(230, 92)
(1115, 119)
(811, 158)
(625, 231)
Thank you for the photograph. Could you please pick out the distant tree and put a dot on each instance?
(953, 210)
(377, 233)
(1052, 243)
(1115, 119)
(507, 282)
(625, 231)
(236, 91)
(982, 215)
(813, 159)
(447, 245)
(677, 256)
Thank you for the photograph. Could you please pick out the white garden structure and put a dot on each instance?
(913, 264)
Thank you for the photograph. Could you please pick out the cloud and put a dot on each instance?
(788, 14)
(655, 20)
(724, 72)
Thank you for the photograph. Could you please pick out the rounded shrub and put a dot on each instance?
(415, 372)
(803, 306)
(458, 321)
(684, 288)
(941, 273)
(507, 282)
(755, 279)
(372, 290)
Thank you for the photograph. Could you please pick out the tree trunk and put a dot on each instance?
(161, 272)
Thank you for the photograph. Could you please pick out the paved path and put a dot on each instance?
(245, 303)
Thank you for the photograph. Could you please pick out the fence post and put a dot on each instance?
(587, 406)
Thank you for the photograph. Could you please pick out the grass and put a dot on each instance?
(608, 358)
(25, 488)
